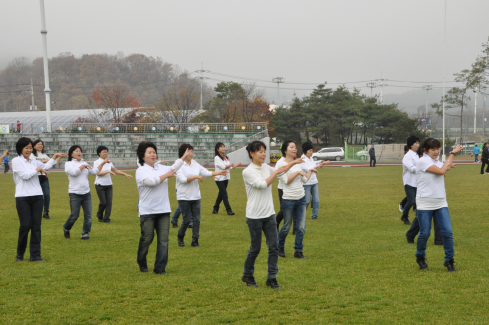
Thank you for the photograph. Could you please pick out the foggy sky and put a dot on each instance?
(304, 41)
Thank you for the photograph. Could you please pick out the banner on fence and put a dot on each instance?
(4, 129)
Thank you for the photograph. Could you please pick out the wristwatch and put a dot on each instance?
(451, 153)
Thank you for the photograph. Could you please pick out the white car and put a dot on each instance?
(362, 153)
(331, 153)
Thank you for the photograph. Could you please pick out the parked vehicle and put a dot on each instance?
(332, 153)
(362, 154)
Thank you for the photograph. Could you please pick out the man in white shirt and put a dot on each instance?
(188, 193)
(103, 184)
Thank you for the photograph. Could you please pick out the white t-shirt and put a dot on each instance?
(104, 180)
(40, 157)
(431, 194)
(220, 165)
(260, 199)
(306, 166)
(295, 189)
(409, 163)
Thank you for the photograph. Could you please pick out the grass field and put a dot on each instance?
(359, 267)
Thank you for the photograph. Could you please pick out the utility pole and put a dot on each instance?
(381, 85)
(201, 81)
(47, 91)
(443, 156)
(372, 84)
(475, 108)
(33, 108)
(278, 80)
(427, 88)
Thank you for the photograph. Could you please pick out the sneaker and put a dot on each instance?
(272, 283)
(85, 237)
(449, 265)
(315, 218)
(175, 225)
(299, 255)
(195, 243)
(410, 240)
(19, 258)
(250, 281)
(66, 232)
(36, 259)
(106, 221)
(405, 220)
(214, 211)
(281, 252)
(100, 220)
(401, 208)
(190, 226)
(143, 269)
(160, 273)
(422, 263)
(231, 213)
(181, 243)
(46, 216)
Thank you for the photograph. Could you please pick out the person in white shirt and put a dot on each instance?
(293, 200)
(188, 193)
(431, 201)
(260, 213)
(311, 187)
(154, 205)
(29, 197)
(79, 190)
(38, 154)
(103, 184)
(221, 162)
(409, 163)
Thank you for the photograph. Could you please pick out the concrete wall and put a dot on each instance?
(241, 155)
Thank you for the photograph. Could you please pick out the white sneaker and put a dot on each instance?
(400, 207)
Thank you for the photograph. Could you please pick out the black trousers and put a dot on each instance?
(222, 196)
(29, 209)
(485, 161)
(104, 193)
(7, 168)
(414, 231)
(280, 215)
(374, 160)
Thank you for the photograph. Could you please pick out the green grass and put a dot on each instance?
(359, 268)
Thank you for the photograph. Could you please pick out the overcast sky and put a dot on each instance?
(303, 41)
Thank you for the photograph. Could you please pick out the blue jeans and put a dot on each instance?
(77, 201)
(149, 223)
(176, 215)
(442, 217)
(312, 193)
(269, 227)
(191, 213)
(44, 181)
(289, 208)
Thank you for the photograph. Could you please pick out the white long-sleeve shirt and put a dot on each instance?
(104, 180)
(260, 199)
(190, 191)
(280, 182)
(26, 176)
(220, 165)
(295, 189)
(78, 179)
(306, 166)
(409, 163)
(153, 194)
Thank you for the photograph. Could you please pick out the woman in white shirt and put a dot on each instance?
(260, 213)
(154, 205)
(188, 193)
(221, 162)
(103, 184)
(79, 190)
(431, 201)
(293, 199)
(38, 154)
(311, 187)
(29, 197)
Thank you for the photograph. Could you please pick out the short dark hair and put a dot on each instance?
(100, 149)
(412, 140)
(255, 146)
(216, 150)
(183, 148)
(142, 150)
(34, 151)
(21, 144)
(431, 143)
(285, 145)
(306, 146)
(73, 148)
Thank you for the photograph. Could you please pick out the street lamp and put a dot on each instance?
(475, 108)
(278, 81)
(427, 88)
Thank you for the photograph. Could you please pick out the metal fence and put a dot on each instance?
(229, 128)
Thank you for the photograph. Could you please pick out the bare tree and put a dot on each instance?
(115, 99)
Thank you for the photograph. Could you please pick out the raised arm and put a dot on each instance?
(447, 165)
(118, 172)
(5, 154)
